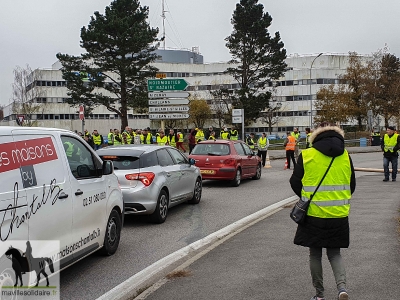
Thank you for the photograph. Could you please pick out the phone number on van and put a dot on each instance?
(93, 199)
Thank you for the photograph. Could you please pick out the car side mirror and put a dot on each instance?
(108, 167)
(192, 161)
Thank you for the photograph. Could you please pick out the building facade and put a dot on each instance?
(296, 91)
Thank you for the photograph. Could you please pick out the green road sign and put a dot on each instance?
(167, 84)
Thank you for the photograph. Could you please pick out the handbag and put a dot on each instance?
(299, 211)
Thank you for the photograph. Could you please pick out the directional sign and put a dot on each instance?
(164, 109)
(169, 102)
(236, 112)
(167, 84)
(157, 95)
(168, 116)
(237, 119)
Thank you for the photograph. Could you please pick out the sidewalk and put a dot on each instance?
(262, 262)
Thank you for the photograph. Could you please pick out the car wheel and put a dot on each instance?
(113, 234)
(197, 192)
(160, 214)
(237, 179)
(258, 173)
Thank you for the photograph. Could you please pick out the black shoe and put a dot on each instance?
(394, 179)
(386, 179)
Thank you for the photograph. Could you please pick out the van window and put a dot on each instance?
(80, 159)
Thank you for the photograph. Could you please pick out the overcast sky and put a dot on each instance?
(33, 31)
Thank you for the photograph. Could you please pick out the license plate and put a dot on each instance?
(207, 171)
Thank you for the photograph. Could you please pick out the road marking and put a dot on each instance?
(182, 258)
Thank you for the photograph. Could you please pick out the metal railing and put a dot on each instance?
(302, 145)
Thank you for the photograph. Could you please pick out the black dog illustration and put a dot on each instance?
(22, 264)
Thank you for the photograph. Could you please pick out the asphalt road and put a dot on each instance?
(143, 243)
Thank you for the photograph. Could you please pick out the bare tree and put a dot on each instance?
(25, 94)
(271, 115)
(222, 106)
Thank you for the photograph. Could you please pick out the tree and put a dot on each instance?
(25, 94)
(258, 57)
(119, 48)
(384, 86)
(199, 112)
(271, 115)
(222, 106)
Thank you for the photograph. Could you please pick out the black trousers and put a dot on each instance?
(191, 146)
(263, 156)
(290, 155)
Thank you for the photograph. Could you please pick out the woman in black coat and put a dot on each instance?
(331, 233)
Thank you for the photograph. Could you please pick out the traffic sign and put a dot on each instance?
(168, 116)
(157, 95)
(169, 109)
(161, 75)
(20, 119)
(169, 102)
(237, 119)
(81, 112)
(236, 112)
(167, 84)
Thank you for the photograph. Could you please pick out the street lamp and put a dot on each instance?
(311, 110)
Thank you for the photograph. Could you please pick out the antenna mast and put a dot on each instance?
(163, 22)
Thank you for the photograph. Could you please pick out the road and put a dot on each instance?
(143, 243)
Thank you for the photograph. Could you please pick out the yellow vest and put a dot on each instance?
(110, 138)
(146, 140)
(199, 135)
(390, 142)
(70, 149)
(263, 143)
(180, 138)
(225, 135)
(117, 142)
(211, 137)
(96, 139)
(234, 135)
(172, 141)
(162, 141)
(308, 139)
(332, 199)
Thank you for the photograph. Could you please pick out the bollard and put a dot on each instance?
(363, 142)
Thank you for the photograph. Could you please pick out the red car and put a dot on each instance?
(226, 160)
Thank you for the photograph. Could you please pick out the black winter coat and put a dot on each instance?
(319, 232)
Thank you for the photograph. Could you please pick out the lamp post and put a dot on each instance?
(311, 104)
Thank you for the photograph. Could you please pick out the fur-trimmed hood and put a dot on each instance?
(329, 140)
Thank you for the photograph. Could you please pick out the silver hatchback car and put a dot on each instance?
(154, 178)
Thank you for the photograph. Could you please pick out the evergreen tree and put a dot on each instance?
(257, 57)
(113, 72)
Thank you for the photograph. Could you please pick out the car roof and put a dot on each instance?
(220, 142)
(138, 149)
(7, 130)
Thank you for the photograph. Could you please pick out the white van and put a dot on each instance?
(53, 186)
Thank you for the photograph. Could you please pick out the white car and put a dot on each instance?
(55, 187)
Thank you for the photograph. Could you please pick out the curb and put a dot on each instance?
(137, 283)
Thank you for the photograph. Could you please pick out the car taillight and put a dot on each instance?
(146, 178)
(229, 162)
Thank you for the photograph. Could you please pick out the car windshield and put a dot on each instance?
(211, 149)
(123, 162)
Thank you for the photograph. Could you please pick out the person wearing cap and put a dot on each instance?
(390, 144)
(146, 137)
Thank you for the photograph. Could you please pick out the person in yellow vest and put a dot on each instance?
(110, 138)
(146, 137)
(97, 139)
(308, 134)
(262, 145)
(172, 138)
(390, 146)
(199, 135)
(234, 134)
(179, 143)
(296, 135)
(212, 136)
(251, 141)
(290, 145)
(225, 135)
(162, 139)
(117, 137)
(327, 222)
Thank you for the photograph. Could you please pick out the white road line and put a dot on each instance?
(134, 285)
